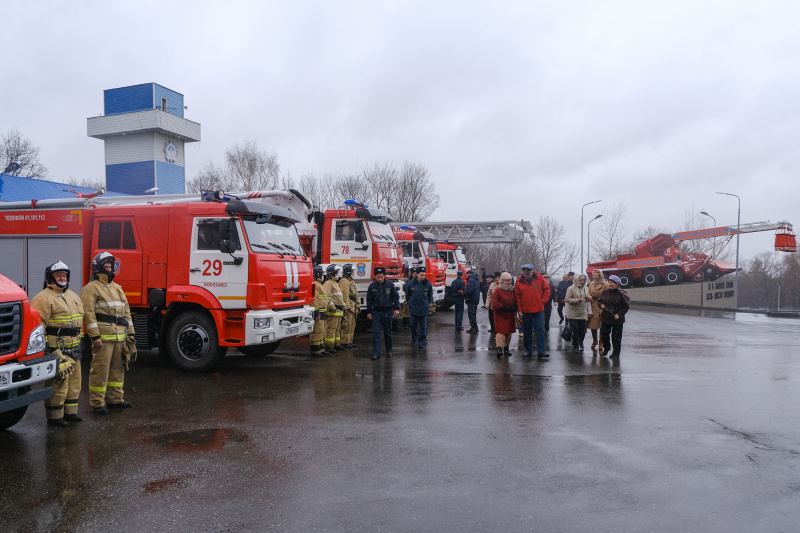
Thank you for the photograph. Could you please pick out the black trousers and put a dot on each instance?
(578, 328)
(548, 310)
(472, 314)
(561, 310)
(611, 337)
(491, 320)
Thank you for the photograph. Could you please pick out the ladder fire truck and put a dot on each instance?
(660, 260)
(201, 272)
(420, 249)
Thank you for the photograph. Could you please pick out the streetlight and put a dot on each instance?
(12, 167)
(714, 252)
(738, 225)
(584, 205)
(779, 296)
(589, 239)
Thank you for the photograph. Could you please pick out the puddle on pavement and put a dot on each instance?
(162, 484)
(200, 439)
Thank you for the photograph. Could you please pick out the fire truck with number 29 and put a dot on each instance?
(201, 272)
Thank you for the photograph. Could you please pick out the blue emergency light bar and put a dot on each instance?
(406, 226)
(354, 203)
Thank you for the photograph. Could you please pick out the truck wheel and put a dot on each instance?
(260, 350)
(626, 280)
(699, 276)
(9, 418)
(192, 342)
(673, 275)
(651, 278)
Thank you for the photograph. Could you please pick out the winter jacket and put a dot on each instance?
(532, 294)
(335, 297)
(596, 291)
(472, 295)
(504, 305)
(562, 290)
(99, 297)
(491, 290)
(615, 303)
(62, 315)
(419, 295)
(349, 293)
(321, 300)
(457, 289)
(382, 297)
(577, 300)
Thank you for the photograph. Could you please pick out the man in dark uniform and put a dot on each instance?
(565, 284)
(419, 294)
(457, 289)
(383, 303)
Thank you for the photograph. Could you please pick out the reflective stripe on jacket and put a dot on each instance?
(60, 309)
(107, 299)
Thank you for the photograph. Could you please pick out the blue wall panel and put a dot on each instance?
(171, 178)
(131, 178)
(129, 99)
(174, 100)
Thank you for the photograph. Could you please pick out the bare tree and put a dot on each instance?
(251, 169)
(16, 148)
(609, 238)
(552, 250)
(89, 183)
(209, 177)
(416, 198)
(381, 181)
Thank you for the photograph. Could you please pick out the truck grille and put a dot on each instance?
(393, 272)
(10, 327)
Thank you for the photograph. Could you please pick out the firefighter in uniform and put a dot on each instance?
(317, 337)
(350, 295)
(333, 335)
(62, 315)
(107, 319)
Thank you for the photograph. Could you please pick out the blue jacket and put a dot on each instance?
(457, 289)
(419, 296)
(473, 293)
(382, 297)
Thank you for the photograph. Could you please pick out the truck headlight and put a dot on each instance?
(36, 340)
(262, 323)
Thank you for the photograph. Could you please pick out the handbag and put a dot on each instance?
(566, 333)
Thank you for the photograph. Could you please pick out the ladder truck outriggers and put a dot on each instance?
(352, 233)
(660, 260)
(201, 273)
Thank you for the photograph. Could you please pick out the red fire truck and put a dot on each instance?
(23, 363)
(353, 233)
(420, 249)
(200, 276)
(454, 260)
(660, 259)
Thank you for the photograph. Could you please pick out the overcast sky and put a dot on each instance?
(518, 109)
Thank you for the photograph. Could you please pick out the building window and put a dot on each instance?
(163, 104)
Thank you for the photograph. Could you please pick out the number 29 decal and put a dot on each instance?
(212, 268)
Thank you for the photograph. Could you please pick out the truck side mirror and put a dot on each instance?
(360, 237)
(227, 247)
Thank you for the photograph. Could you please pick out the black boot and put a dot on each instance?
(506, 351)
(57, 422)
(73, 418)
(499, 352)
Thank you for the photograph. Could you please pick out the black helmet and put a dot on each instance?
(52, 268)
(97, 265)
(318, 272)
(347, 270)
(333, 271)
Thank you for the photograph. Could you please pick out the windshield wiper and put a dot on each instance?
(291, 250)
(270, 247)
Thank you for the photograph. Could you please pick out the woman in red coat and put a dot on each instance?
(504, 305)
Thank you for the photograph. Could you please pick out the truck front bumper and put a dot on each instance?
(438, 293)
(14, 376)
(273, 325)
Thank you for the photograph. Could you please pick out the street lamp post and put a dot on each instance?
(12, 167)
(584, 205)
(589, 239)
(779, 296)
(714, 246)
(738, 225)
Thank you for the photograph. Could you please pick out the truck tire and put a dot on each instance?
(673, 275)
(260, 350)
(9, 418)
(192, 342)
(626, 279)
(650, 278)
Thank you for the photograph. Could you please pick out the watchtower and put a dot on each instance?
(144, 133)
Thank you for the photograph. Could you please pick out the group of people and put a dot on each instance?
(336, 307)
(103, 311)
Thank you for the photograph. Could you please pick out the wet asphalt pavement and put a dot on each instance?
(696, 428)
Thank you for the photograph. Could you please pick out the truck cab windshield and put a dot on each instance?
(381, 232)
(432, 251)
(274, 237)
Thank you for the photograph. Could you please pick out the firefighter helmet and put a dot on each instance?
(52, 268)
(333, 271)
(318, 272)
(97, 265)
(347, 270)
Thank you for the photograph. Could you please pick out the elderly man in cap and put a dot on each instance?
(457, 289)
(383, 303)
(533, 293)
(472, 295)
